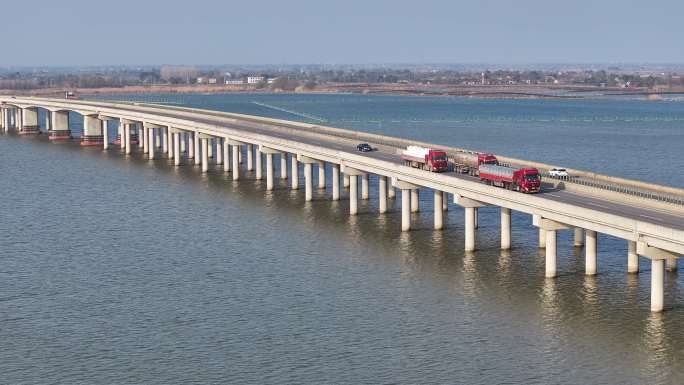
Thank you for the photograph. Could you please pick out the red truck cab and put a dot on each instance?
(528, 180)
(486, 159)
(437, 159)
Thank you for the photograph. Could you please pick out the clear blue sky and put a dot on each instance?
(80, 32)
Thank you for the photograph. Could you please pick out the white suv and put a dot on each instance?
(559, 173)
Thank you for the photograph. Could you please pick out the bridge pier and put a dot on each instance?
(59, 127)
(505, 228)
(335, 181)
(671, 264)
(258, 166)
(219, 151)
(632, 258)
(439, 210)
(191, 145)
(197, 143)
(470, 206)
(364, 187)
(151, 144)
(105, 134)
(226, 155)
(345, 181)
(236, 162)
(321, 175)
(29, 121)
(283, 165)
(406, 195)
(250, 158)
(295, 172)
(579, 237)
(165, 141)
(127, 138)
(382, 194)
(308, 182)
(269, 172)
(590, 252)
(210, 148)
(353, 175)
(550, 227)
(542, 239)
(176, 148)
(391, 192)
(205, 153)
(415, 200)
(658, 257)
(92, 131)
(445, 201)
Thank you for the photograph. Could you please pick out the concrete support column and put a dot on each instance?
(150, 146)
(92, 131)
(439, 210)
(142, 136)
(477, 217)
(176, 149)
(219, 151)
(157, 138)
(122, 134)
(105, 134)
(295, 172)
(542, 238)
(445, 201)
(405, 209)
(283, 165)
(191, 145)
(382, 194)
(197, 142)
(415, 200)
(353, 195)
(335, 181)
(590, 252)
(308, 181)
(165, 141)
(579, 237)
(269, 172)
(345, 182)
(470, 228)
(321, 175)
(671, 264)
(258, 165)
(505, 228)
(205, 154)
(183, 144)
(146, 139)
(364, 187)
(250, 158)
(236, 162)
(657, 285)
(210, 148)
(632, 258)
(550, 253)
(127, 136)
(391, 192)
(226, 155)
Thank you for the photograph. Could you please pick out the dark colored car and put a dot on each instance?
(364, 147)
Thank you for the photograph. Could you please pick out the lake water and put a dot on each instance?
(120, 270)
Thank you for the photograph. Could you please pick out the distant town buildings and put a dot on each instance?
(254, 79)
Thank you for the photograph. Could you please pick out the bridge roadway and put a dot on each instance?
(652, 231)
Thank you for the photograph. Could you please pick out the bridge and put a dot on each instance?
(650, 218)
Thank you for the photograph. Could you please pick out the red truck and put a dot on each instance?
(425, 158)
(526, 180)
(469, 163)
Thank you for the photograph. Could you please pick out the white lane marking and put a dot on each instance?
(650, 217)
(597, 205)
(553, 195)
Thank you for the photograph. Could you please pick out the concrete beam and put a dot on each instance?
(268, 150)
(402, 185)
(653, 252)
(548, 224)
(467, 202)
(349, 171)
(234, 142)
(305, 159)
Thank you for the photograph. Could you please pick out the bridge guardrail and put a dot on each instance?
(677, 200)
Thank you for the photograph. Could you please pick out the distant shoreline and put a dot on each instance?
(478, 91)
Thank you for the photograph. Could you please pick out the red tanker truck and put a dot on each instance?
(469, 163)
(526, 180)
(425, 158)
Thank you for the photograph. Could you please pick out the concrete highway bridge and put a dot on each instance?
(650, 218)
